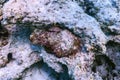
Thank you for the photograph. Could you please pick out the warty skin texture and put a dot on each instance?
(57, 41)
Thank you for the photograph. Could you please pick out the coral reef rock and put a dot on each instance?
(67, 12)
(59, 39)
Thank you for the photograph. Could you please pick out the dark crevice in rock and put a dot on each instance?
(38, 64)
(104, 65)
(64, 74)
(88, 7)
(113, 50)
(9, 57)
(112, 44)
(41, 65)
(114, 4)
(4, 35)
(3, 31)
(3, 1)
(106, 30)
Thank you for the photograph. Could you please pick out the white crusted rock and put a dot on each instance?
(19, 55)
(78, 65)
(72, 16)
(51, 11)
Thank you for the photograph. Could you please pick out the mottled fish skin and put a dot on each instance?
(57, 41)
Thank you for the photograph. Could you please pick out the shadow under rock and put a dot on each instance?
(41, 71)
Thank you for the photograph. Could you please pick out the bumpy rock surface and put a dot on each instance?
(17, 55)
(25, 22)
(45, 12)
